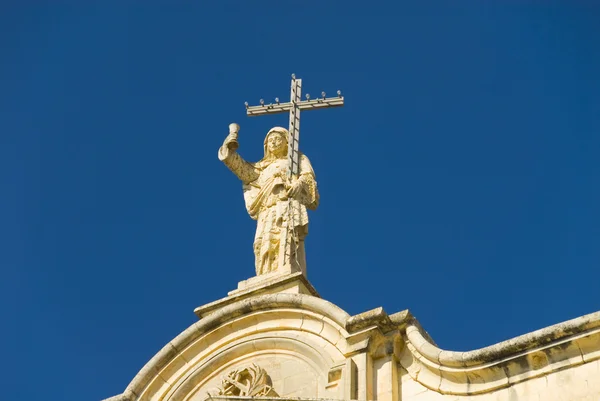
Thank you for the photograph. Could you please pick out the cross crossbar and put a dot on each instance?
(294, 106)
(275, 108)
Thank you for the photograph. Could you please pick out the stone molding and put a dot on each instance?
(398, 336)
(541, 352)
(221, 317)
(269, 284)
(240, 398)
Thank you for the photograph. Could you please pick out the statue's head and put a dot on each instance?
(276, 143)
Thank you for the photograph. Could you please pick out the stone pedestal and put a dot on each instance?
(272, 283)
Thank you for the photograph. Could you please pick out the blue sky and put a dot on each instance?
(460, 180)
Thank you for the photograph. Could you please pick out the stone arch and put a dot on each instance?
(304, 334)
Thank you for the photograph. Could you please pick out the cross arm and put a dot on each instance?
(303, 105)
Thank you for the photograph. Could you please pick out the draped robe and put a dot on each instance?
(282, 222)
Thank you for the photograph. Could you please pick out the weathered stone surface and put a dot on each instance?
(295, 283)
(310, 348)
(374, 317)
(531, 357)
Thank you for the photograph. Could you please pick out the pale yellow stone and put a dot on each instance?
(410, 389)
(156, 389)
(429, 395)
(312, 324)
(589, 346)
(307, 348)
(386, 379)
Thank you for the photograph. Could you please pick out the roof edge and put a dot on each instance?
(222, 316)
(542, 337)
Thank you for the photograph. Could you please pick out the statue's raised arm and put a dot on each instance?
(228, 155)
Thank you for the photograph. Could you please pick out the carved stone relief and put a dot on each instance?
(250, 381)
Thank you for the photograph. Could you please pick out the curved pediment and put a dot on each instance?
(297, 339)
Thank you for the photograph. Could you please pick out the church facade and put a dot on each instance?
(276, 338)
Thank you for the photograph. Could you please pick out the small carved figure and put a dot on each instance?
(276, 199)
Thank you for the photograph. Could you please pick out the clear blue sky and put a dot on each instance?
(460, 181)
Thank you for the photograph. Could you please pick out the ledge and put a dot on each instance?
(294, 283)
(499, 351)
(238, 398)
(538, 353)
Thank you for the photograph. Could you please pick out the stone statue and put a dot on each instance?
(276, 199)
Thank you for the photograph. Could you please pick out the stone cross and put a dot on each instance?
(294, 106)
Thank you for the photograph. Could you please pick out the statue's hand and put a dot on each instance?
(231, 142)
(295, 189)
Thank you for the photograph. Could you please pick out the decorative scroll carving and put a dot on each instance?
(251, 381)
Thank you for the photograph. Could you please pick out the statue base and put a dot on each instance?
(267, 279)
(271, 283)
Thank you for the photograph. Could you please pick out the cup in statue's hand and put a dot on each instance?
(232, 139)
(233, 128)
(232, 143)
